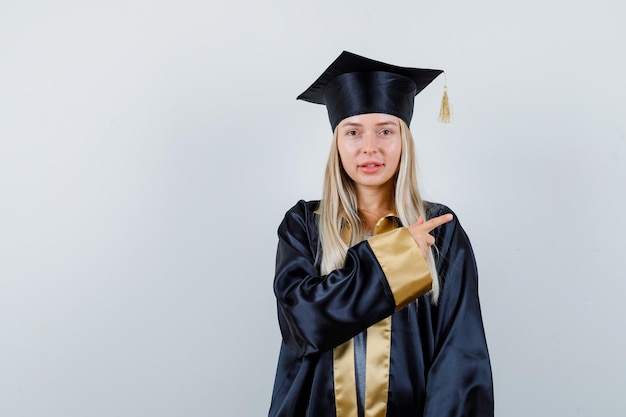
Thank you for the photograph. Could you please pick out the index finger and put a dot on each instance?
(437, 221)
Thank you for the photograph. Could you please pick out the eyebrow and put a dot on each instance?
(385, 123)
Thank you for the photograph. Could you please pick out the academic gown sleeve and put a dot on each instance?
(459, 380)
(318, 312)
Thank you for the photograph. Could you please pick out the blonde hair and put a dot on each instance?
(339, 205)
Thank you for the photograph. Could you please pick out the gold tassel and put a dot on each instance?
(444, 112)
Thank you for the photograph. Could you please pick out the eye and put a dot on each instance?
(352, 133)
(386, 132)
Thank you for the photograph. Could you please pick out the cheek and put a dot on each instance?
(345, 153)
(394, 155)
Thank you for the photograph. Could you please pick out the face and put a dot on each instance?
(370, 146)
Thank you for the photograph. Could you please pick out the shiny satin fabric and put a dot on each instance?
(439, 363)
(344, 379)
(393, 250)
(369, 92)
(354, 84)
(377, 364)
(377, 343)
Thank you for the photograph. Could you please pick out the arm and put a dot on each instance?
(318, 312)
(459, 381)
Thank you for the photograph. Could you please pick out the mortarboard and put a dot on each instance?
(353, 85)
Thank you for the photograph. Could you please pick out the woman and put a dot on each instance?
(376, 289)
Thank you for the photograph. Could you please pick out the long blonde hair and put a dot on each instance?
(339, 205)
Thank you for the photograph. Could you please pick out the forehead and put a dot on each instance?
(370, 119)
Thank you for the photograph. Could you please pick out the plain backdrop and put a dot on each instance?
(149, 150)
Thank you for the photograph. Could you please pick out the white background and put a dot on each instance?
(149, 149)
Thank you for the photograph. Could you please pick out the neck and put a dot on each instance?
(375, 198)
(374, 204)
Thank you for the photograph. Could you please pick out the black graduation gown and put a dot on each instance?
(439, 363)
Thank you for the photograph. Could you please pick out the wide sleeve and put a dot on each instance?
(319, 312)
(459, 380)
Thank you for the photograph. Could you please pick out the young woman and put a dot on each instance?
(376, 289)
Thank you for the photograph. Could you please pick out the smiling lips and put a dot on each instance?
(370, 167)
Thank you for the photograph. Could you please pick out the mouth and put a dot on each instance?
(371, 167)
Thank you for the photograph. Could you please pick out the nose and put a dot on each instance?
(369, 144)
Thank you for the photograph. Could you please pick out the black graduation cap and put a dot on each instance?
(353, 85)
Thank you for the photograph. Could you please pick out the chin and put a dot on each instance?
(374, 183)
